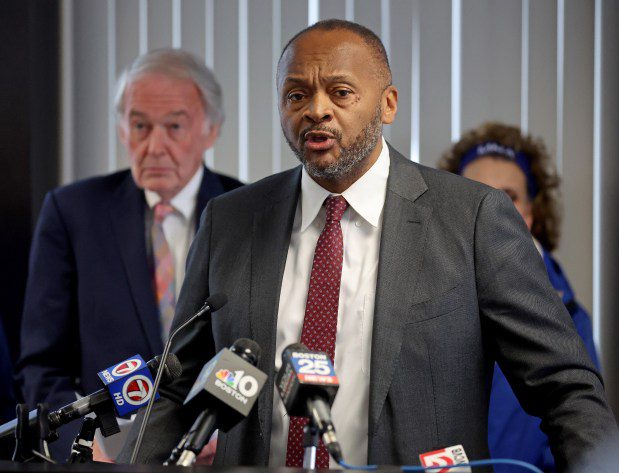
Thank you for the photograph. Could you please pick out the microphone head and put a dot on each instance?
(172, 368)
(217, 301)
(247, 349)
(292, 348)
(305, 374)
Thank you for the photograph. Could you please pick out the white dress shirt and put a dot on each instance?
(179, 227)
(361, 228)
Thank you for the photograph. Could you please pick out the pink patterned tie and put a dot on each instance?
(321, 308)
(165, 286)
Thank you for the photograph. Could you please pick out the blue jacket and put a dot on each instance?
(512, 433)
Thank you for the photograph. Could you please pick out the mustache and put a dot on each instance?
(336, 133)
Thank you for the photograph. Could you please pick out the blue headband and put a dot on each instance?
(492, 148)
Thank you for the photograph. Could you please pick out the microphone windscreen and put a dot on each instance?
(173, 366)
(217, 301)
(171, 370)
(247, 349)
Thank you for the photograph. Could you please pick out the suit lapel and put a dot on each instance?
(127, 220)
(401, 250)
(271, 230)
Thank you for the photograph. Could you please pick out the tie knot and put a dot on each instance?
(335, 205)
(162, 210)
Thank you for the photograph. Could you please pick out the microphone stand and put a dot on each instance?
(25, 452)
(166, 350)
(311, 436)
(81, 450)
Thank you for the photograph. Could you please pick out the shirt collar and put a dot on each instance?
(366, 196)
(185, 201)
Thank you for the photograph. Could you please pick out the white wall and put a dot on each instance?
(456, 63)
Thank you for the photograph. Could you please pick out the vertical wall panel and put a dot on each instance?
(543, 71)
(91, 85)
(609, 193)
(435, 62)
(367, 12)
(575, 251)
(243, 90)
(127, 49)
(226, 70)
(67, 77)
(332, 9)
(293, 20)
(276, 39)
(193, 26)
(400, 60)
(159, 24)
(260, 87)
(491, 38)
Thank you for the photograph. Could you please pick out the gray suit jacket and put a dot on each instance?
(460, 285)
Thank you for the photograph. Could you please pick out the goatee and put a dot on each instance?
(351, 157)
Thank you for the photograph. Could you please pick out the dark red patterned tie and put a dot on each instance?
(320, 323)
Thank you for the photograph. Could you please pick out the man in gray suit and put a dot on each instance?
(414, 279)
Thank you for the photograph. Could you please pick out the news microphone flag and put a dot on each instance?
(129, 383)
(448, 456)
(231, 381)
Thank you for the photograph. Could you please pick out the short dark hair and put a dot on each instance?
(367, 35)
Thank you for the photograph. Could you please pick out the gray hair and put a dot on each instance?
(177, 64)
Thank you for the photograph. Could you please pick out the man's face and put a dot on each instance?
(164, 129)
(506, 176)
(332, 104)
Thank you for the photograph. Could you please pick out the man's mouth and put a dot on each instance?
(318, 140)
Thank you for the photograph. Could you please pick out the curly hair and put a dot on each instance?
(545, 205)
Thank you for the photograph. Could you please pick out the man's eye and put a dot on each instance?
(139, 125)
(343, 93)
(174, 126)
(295, 96)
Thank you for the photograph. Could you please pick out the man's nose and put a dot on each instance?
(156, 141)
(320, 108)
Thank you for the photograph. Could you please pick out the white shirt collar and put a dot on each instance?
(366, 196)
(185, 201)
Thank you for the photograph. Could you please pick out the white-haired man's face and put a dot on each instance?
(164, 129)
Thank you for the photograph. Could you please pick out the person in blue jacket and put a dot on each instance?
(503, 157)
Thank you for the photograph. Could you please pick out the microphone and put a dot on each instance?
(307, 385)
(229, 385)
(102, 400)
(213, 303)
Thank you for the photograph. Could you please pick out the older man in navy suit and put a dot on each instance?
(108, 253)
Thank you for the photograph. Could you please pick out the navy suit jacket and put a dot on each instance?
(90, 300)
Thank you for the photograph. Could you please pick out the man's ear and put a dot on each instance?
(389, 104)
(210, 136)
(122, 133)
